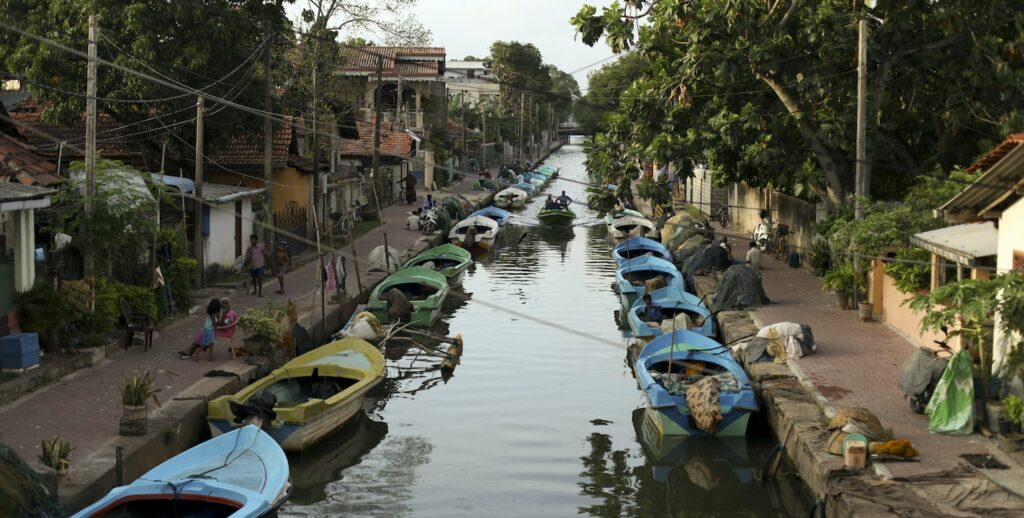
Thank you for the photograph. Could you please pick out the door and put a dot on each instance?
(238, 229)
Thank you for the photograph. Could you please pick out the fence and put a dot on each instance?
(293, 219)
(746, 202)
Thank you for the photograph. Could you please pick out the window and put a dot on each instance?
(471, 74)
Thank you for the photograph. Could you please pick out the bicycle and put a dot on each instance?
(723, 215)
(781, 244)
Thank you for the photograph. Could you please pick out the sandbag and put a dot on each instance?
(679, 322)
(669, 228)
(796, 338)
(859, 420)
(704, 400)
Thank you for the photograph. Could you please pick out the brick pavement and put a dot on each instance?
(857, 363)
(85, 407)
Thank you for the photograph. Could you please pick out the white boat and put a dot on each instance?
(474, 233)
(630, 225)
(511, 198)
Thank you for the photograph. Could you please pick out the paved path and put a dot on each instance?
(857, 363)
(85, 406)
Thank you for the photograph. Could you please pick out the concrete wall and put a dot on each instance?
(701, 192)
(290, 184)
(745, 203)
(1011, 240)
(900, 317)
(220, 244)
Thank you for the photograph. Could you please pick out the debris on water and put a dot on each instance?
(600, 422)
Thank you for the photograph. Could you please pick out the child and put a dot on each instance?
(206, 336)
(281, 259)
(225, 331)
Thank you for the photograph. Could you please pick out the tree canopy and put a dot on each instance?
(766, 91)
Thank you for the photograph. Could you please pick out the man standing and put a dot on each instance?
(255, 260)
(564, 200)
(281, 260)
(754, 257)
(410, 188)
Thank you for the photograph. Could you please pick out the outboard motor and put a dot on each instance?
(921, 373)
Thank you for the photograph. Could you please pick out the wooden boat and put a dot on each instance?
(548, 171)
(672, 302)
(671, 362)
(631, 278)
(537, 180)
(630, 225)
(725, 456)
(636, 247)
(484, 232)
(511, 198)
(498, 215)
(424, 289)
(317, 393)
(448, 259)
(240, 474)
(556, 217)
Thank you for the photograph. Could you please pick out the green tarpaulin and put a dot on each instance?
(951, 408)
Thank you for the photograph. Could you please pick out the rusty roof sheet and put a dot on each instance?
(18, 163)
(45, 137)
(12, 191)
(419, 62)
(247, 150)
(392, 143)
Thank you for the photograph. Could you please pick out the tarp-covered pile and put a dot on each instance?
(778, 343)
(710, 258)
(740, 288)
(688, 248)
(381, 262)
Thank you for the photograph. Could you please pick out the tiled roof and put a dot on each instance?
(406, 62)
(392, 143)
(997, 153)
(12, 191)
(18, 163)
(247, 150)
(45, 137)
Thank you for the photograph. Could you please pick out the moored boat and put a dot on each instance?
(670, 364)
(511, 198)
(424, 290)
(726, 457)
(631, 225)
(636, 247)
(673, 303)
(631, 278)
(448, 259)
(526, 187)
(537, 180)
(316, 393)
(474, 233)
(240, 474)
(498, 215)
(556, 217)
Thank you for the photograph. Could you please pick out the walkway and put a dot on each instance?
(857, 364)
(85, 406)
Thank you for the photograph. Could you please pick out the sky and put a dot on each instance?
(468, 27)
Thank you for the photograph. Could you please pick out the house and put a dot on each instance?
(996, 198)
(412, 86)
(472, 79)
(18, 203)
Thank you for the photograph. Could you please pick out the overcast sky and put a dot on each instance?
(468, 27)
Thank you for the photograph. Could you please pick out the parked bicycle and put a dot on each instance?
(344, 223)
(781, 243)
(723, 215)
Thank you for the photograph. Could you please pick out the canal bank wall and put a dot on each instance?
(181, 422)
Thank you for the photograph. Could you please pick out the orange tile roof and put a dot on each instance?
(247, 150)
(45, 137)
(408, 62)
(392, 143)
(997, 153)
(19, 164)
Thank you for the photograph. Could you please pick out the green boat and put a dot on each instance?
(448, 259)
(556, 217)
(424, 289)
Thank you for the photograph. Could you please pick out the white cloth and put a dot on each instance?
(754, 258)
(790, 332)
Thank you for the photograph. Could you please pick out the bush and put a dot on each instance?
(820, 257)
(43, 310)
(263, 323)
(108, 295)
(909, 277)
(179, 277)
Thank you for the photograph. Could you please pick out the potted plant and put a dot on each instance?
(263, 327)
(56, 454)
(865, 307)
(1013, 409)
(135, 391)
(840, 280)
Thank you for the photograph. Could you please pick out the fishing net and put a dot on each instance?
(22, 491)
(740, 288)
(689, 247)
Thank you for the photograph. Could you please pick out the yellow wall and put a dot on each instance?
(903, 319)
(289, 184)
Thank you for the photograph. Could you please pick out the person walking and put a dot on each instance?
(410, 188)
(281, 260)
(255, 260)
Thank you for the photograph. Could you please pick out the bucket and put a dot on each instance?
(994, 412)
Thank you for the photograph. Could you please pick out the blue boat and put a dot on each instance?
(672, 302)
(526, 186)
(240, 474)
(500, 216)
(667, 365)
(632, 276)
(639, 246)
(535, 179)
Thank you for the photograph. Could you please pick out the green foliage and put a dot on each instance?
(840, 279)
(820, 257)
(108, 295)
(137, 389)
(604, 90)
(910, 271)
(43, 310)
(55, 453)
(658, 193)
(1013, 407)
(766, 93)
(263, 323)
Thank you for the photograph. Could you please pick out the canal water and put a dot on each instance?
(543, 416)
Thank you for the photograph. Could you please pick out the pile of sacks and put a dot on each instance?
(855, 420)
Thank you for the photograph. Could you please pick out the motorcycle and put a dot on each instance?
(428, 221)
(921, 373)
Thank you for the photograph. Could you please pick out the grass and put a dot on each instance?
(362, 228)
(694, 212)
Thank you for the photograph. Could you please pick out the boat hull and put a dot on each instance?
(676, 422)
(556, 219)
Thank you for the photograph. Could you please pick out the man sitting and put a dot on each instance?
(651, 312)
(551, 204)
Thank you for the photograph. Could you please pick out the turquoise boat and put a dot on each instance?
(240, 474)
(556, 217)
(670, 363)
(631, 278)
(672, 301)
(450, 260)
(424, 289)
(636, 247)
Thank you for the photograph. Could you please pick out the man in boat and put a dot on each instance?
(551, 204)
(651, 311)
(564, 200)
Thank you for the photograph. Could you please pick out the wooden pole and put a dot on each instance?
(90, 144)
(355, 266)
(465, 145)
(377, 99)
(268, 142)
(862, 92)
(387, 254)
(522, 111)
(197, 233)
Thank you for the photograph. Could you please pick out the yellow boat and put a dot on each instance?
(316, 394)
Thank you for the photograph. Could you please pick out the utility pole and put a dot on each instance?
(522, 111)
(398, 107)
(197, 226)
(268, 142)
(376, 120)
(483, 140)
(90, 143)
(862, 92)
(318, 186)
(464, 165)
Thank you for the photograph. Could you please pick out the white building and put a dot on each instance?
(474, 79)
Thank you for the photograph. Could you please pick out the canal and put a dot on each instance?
(541, 418)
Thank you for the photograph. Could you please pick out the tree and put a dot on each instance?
(765, 91)
(206, 44)
(604, 89)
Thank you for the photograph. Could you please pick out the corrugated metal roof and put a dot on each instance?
(1002, 177)
(19, 163)
(11, 191)
(961, 243)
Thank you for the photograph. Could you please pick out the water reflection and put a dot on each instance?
(315, 468)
